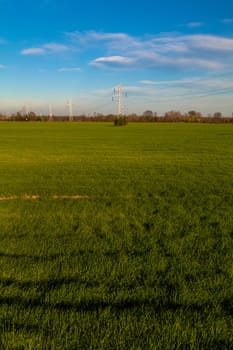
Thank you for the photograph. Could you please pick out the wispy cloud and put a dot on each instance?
(92, 38)
(179, 92)
(122, 51)
(198, 62)
(195, 83)
(54, 47)
(227, 20)
(112, 42)
(112, 62)
(192, 25)
(45, 49)
(2, 66)
(150, 60)
(148, 82)
(2, 41)
(74, 69)
(169, 82)
(33, 51)
(166, 51)
(210, 42)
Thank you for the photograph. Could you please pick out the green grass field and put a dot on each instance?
(116, 238)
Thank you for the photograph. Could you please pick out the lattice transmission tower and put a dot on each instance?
(118, 96)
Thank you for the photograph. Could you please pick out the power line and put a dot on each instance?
(201, 94)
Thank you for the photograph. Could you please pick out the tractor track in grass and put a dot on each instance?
(32, 197)
(35, 197)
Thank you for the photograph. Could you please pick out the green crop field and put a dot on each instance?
(116, 237)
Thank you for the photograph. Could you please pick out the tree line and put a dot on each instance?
(147, 116)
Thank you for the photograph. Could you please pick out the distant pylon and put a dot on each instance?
(50, 113)
(120, 107)
(25, 109)
(119, 96)
(70, 106)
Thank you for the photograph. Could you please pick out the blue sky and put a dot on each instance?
(168, 55)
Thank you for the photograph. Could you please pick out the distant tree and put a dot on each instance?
(133, 117)
(217, 115)
(173, 116)
(148, 113)
(149, 116)
(31, 116)
(192, 113)
(18, 116)
(193, 116)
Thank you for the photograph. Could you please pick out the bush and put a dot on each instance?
(120, 121)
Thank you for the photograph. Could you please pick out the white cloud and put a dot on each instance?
(33, 51)
(201, 41)
(45, 49)
(227, 20)
(92, 37)
(192, 25)
(198, 62)
(210, 42)
(170, 82)
(74, 69)
(222, 80)
(214, 82)
(148, 82)
(113, 42)
(53, 47)
(150, 60)
(2, 66)
(188, 88)
(166, 51)
(110, 61)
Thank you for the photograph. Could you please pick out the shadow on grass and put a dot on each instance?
(7, 325)
(44, 258)
(97, 305)
(47, 285)
(227, 306)
(31, 257)
(110, 253)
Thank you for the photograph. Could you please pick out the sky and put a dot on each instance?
(166, 54)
